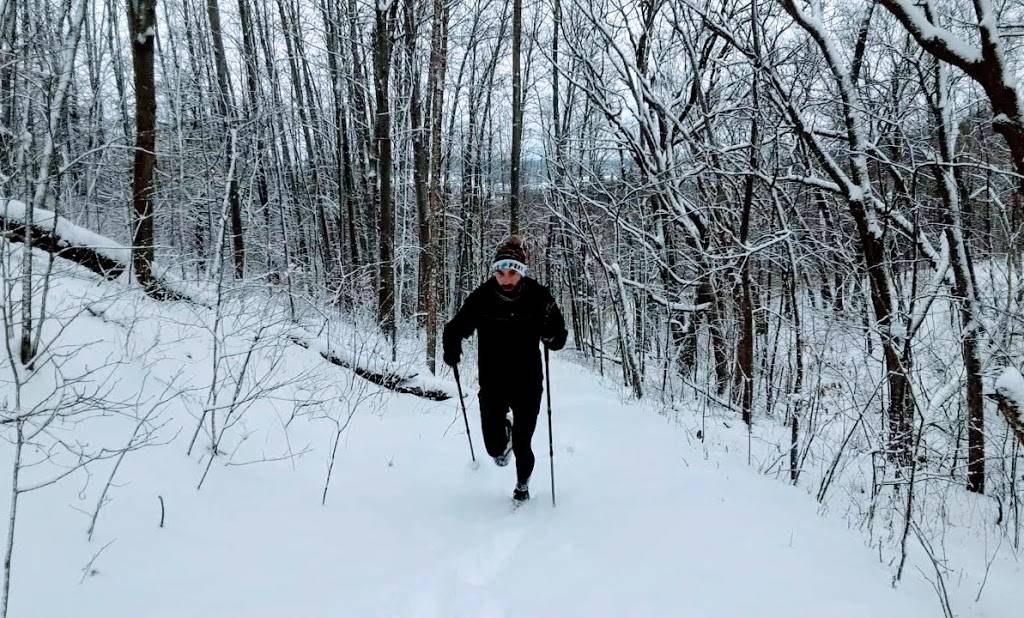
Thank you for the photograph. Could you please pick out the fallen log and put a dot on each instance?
(66, 240)
(104, 257)
(14, 229)
(392, 381)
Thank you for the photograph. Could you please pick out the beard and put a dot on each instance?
(511, 290)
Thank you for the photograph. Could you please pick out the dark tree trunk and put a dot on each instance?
(745, 351)
(341, 167)
(517, 115)
(279, 143)
(964, 282)
(304, 104)
(142, 22)
(384, 18)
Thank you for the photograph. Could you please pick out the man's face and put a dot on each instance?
(507, 279)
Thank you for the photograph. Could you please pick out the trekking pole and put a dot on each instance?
(458, 384)
(551, 441)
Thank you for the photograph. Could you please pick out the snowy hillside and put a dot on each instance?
(650, 521)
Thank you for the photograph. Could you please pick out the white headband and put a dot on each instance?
(510, 264)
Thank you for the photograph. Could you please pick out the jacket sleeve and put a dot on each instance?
(553, 332)
(462, 325)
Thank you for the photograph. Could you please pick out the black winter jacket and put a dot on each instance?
(509, 329)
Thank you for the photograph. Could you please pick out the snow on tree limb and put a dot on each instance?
(987, 66)
(937, 41)
(1009, 392)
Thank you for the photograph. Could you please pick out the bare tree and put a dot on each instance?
(384, 16)
(438, 64)
(985, 63)
(142, 19)
(226, 108)
(421, 158)
(53, 118)
(517, 116)
(964, 285)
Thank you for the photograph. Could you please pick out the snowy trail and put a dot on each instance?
(645, 526)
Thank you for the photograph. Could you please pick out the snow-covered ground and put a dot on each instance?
(650, 521)
(644, 526)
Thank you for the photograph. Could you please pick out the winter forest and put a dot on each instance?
(787, 238)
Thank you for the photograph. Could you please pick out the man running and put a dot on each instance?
(511, 313)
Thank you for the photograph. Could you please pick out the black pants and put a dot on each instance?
(525, 406)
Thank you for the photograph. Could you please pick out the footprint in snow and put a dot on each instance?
(483, 563)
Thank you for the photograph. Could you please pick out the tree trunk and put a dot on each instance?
(253, 106)
(745, 351)
(438, 64)
(226, 108)
(305, 105)
(279, 143)
(517, 115)
(421, 158)
(142, 23)
(858, 194)
(365, 147)
(964, 290)
(8, 100)
(384, 18)
(41, 184)
(342, 173)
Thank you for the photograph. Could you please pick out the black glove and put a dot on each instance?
(554, 342)
(552, 330)
(452, 356)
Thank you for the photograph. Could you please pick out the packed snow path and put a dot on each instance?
(645, 526)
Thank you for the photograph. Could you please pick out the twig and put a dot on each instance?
(87, 570)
